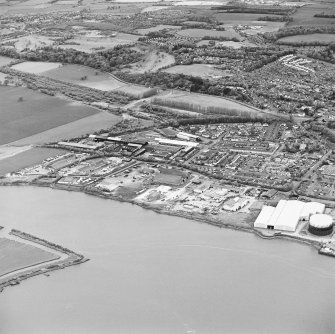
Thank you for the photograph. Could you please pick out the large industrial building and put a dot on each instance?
(287, 214)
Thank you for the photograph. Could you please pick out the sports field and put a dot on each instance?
(24, 112)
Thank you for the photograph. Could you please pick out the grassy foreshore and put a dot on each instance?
(190, 216)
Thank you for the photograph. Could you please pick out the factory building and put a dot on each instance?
(287, 214)
(163, 141)
(320, 224)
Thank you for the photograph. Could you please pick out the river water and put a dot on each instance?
(151, 273)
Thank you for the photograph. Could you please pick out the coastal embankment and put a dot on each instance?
(69, 258)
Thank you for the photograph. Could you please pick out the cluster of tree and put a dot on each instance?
(251, 57)
(310, 147)
(183, 82)
(156, 34)
(264, 60)
(221, 38)
(325, 15)
(76, 92)
(328, 133)
(280, 18)
(304, 43)
(105, 60)
(241, 8)
(326, 54)
(223, 119)
(299, 30)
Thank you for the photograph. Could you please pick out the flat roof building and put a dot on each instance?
(287, 214)
(176, 142)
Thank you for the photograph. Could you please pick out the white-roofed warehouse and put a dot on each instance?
(287, 214)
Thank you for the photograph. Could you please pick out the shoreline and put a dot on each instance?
(318, 245)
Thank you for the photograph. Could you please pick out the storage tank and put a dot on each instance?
(320, 224)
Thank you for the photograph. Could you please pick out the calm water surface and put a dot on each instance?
(151, 273)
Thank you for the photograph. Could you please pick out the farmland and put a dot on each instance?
(89, 77)
(5, 60)
(26, 158)
(25, 112)
(16, 255)
(84, 76)
(319, 38)
(83, 126)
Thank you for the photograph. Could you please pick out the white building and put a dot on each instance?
(175, 142)
(235, 204)
(287, 214)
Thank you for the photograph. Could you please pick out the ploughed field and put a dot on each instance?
(24, 112)
(16, 255)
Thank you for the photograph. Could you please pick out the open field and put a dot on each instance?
(263, 27)
(26, 158)
(203, 104)
(200, 33)
(323, 38)
(89, 77)
(200, 70)
(92, 44)
(16, 255)
(83, 126)
(35, 67)
(305, 15)
(36, 112)
(31, 42)
(152, 62)
(84, 76)
(5, 60)
(153, 9)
